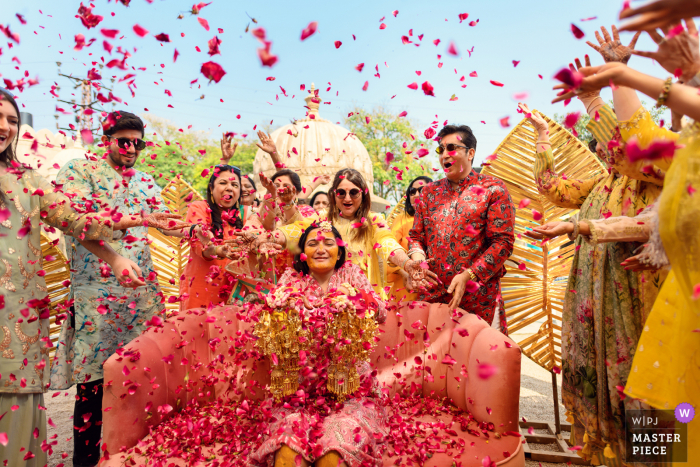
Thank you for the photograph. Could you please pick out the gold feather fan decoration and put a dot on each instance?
(170, 254)
(57, 284)
(399, 209)
(536, 294)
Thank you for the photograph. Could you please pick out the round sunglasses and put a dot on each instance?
(449, 148)
(354, 193)
(415, 190)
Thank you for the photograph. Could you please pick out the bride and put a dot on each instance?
(310, 424)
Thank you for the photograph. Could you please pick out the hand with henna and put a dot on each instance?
(158, 220)
(256, 242)
(611, 48)
(227, 150)
(165, 221)
(678, 52)
(658, 14)
(419, 277)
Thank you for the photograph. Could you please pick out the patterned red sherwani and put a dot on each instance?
(471, 227)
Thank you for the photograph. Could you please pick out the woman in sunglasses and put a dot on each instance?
(208, 274)
(370, 244)
(400, 228)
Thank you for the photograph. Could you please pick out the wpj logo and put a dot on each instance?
(653, 436)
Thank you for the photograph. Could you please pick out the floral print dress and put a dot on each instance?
(605, 306)
(107, 316)
(469, 227)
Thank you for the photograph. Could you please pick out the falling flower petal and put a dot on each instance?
(569, 77)
(428, 89)
(578, 34)
(572, 119)
(212, 71)
(656, 150)
(204, 23)
(448, 360)
(536, 215)
(141, 32)
(452, 49)
(309, 30)
(486, 370)
(496, 83)
(524, 203)
(338, 44)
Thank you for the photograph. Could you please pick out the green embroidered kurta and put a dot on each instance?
(605, 306)
(24, 320)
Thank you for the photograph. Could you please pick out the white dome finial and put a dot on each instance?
(313, 101)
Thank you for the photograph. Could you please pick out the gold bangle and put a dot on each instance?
(588, 110)
(543, 142)
(661, 101)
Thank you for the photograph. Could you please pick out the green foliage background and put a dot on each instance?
(386, 132)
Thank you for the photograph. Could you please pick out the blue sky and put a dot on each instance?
(540, 38)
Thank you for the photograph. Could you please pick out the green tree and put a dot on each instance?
(189, 153)
(386, 133)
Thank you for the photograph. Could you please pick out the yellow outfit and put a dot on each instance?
(666, 366)
(371, 257)
(400, 228)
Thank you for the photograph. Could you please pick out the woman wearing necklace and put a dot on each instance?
(339, 431)
(369, 242)
(209, 272)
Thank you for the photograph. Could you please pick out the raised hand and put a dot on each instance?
(534, 118)
(268, 185)
(594, 79)
(612, 49)
(325, 179)
(678, 51)
(266, 143)
(227, 150)
(659, 14)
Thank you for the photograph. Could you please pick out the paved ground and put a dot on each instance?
(536, 403)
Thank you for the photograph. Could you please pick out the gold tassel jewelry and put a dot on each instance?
(282, 334)
(281, 337)
(352, 339)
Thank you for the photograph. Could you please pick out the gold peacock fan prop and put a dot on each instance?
(57, 284)
(534, 286)
(170, 254)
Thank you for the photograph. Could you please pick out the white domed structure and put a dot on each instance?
(314, 146)
(51, 151)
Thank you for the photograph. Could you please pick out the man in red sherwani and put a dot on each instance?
(465, 224)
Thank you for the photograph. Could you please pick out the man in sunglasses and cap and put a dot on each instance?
(105, 315)
(464, 224)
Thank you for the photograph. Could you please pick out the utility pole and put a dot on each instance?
(88, 100)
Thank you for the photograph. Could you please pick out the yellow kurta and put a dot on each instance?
(666, 366)
(371, 257)
(400, 228)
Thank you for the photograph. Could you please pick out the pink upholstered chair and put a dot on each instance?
(163, 373)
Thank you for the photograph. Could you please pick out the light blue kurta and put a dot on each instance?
(107, 315)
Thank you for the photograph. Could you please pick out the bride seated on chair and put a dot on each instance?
(318, 328)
